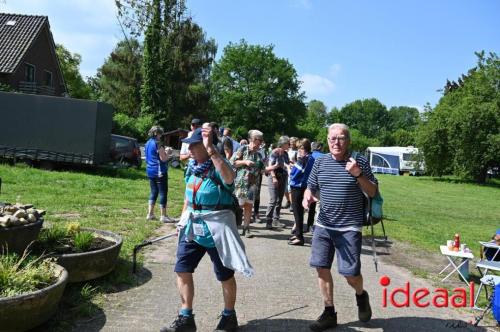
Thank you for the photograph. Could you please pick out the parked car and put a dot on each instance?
(125, 150)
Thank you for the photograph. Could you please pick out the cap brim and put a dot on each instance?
(191, 140)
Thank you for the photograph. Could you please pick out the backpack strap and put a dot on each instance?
(355, 156)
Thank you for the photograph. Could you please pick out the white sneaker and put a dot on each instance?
(150, 217)
(167, 220)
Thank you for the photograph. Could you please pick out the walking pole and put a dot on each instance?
(147, 243)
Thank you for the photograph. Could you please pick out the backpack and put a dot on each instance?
(373, 205)
(235, 205)
(373, 213)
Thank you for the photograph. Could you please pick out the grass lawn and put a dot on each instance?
(427, 211)
(423, 211)
(114, 200)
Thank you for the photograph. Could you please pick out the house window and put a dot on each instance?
(30, 73)
(48, 78)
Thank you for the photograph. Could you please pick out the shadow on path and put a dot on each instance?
(407, 324)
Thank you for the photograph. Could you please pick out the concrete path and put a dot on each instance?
(282, 296)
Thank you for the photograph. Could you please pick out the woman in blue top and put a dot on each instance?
(157, 172)
(298, 183)
(207, 172)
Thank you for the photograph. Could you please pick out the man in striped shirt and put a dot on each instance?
(338, 181)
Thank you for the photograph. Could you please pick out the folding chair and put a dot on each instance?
(487, 263)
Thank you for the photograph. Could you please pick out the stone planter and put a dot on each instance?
(92, 264)
(23, 312)
(17, 238)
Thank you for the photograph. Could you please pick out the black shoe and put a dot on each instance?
(269, 224)
(324, 322)
(181, 324)
(227, 323)
(364, 309)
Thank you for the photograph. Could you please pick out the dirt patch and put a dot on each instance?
(67, 215)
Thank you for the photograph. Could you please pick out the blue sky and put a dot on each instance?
(399, 52)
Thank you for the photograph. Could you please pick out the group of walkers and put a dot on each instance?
(218, 166)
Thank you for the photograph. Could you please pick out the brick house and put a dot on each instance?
(28, 59)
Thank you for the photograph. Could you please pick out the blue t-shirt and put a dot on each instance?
(300, 171)
(208, 196)
(155, 168)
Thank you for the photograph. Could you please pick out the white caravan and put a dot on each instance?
(393, 159)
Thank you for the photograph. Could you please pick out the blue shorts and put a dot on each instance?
(326, 242)
(189, 255)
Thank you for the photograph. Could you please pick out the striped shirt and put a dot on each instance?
(341, 198)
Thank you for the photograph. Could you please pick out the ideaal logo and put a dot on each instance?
(423, 297)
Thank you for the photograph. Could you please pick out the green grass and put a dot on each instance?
(108, 199)
(427, 211)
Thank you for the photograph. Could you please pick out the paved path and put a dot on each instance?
(282, 296)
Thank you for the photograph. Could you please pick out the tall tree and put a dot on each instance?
(252, 88)
(70, 67)
(369, 116)
(313, 124)
(463, 131)
(177, 59)
(119, 79)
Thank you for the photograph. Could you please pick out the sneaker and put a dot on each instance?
(181, 324)
(324, 322)
(227, 323)
(276, 223)
(167, 220)
(364, 309)
(150, 217)
(269, 225)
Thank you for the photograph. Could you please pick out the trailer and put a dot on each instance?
(394, 160)
(52, 130)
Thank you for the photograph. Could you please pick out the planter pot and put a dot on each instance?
(26, 311)
(92, 264)
(17, 238)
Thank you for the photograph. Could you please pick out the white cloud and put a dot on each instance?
(307, 4)
(335, 69)
(316, 86)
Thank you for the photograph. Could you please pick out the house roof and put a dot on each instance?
(17, 33)
(392, 150)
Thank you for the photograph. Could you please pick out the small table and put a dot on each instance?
(454, 257)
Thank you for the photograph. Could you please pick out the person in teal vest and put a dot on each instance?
(204, 198)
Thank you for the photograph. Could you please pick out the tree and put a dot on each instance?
(403, 117)
(463, 131)
(70, 67)
(119, 79)
(177, 59)
(313, 124)
(369, 116)
(252, 88)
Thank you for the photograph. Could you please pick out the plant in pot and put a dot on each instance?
(30, 290)
(85, 252)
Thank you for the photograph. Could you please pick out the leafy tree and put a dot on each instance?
(313, 124)
(462, 133)
(252, 88)
(369, 116)
(403, 117)
(177, 59)
(119, 79)
(70, 67)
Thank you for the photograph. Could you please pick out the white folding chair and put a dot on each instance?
(486, 279)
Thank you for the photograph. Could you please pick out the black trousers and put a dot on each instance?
(298, 210)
